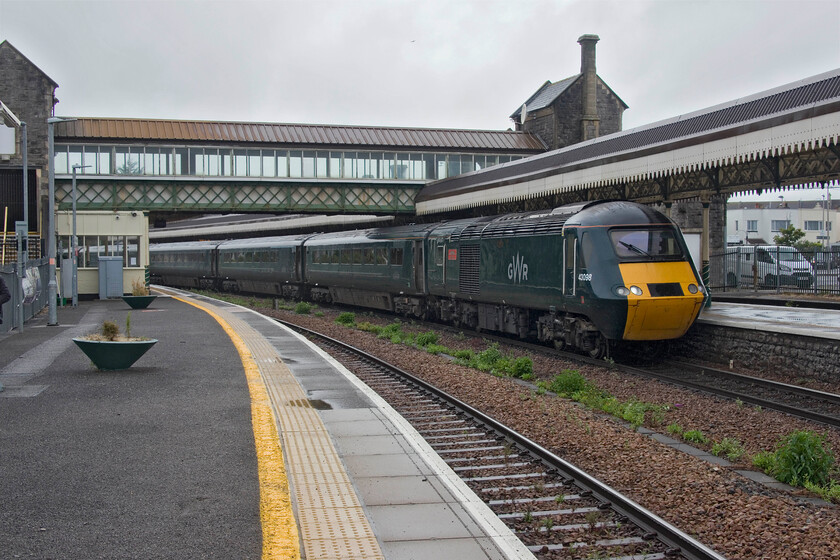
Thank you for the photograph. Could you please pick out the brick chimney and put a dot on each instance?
(590, 123)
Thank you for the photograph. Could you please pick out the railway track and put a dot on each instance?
(817, 406)
(802, 402)
(556, 509)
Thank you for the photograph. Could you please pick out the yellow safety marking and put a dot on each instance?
(280, 535)
(332, 522)
(657, 318)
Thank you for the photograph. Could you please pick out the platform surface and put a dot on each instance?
(160, 460)
(799, 320)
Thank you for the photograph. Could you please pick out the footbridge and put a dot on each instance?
(201, 166)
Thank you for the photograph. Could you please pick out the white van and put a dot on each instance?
(768, 266)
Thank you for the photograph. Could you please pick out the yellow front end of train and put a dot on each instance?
(666, 302)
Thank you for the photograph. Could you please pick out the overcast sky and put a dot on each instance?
(425, 63)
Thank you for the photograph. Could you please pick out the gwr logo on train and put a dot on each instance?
(517, 269)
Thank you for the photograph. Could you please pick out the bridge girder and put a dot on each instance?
(236, 196)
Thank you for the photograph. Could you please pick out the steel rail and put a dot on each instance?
(744, 397)
(623, 505)
(770, 384)
(677, 380)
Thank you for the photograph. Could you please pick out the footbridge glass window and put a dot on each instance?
(205, 161)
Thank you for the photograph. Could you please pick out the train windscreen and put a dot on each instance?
(644, 244)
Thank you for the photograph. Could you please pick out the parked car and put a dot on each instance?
(769, 266)
(826, 260)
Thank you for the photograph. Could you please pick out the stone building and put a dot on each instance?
(30, 94)
(576, 109)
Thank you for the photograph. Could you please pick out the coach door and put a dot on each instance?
(419, 266)
(570, 264)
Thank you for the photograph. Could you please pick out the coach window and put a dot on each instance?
(381, 256)
(357, 256)
(368, 256)
(396, 256)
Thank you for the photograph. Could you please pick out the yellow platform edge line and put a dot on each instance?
(279, 529)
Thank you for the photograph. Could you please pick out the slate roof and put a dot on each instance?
(802, 99)
(546, 95)
(549, 92)
(307, 135)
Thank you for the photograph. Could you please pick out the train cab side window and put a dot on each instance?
(439, 255)
(587, 251)
(397, 256)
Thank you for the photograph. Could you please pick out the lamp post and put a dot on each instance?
(75, 242)
(52, 291)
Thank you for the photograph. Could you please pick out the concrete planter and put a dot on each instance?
(114, 354)
(139, 302)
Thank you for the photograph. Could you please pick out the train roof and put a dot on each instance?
(617, 213)
(183, 246)
(264, 242)
(412, 231)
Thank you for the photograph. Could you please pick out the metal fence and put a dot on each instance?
(775, 269)
(29, 296)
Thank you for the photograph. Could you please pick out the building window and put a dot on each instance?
(779, 225)
(752, 225)
(813, 225)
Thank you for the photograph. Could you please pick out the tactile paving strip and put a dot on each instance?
(332, 523)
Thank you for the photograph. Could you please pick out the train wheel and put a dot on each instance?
(600, 349)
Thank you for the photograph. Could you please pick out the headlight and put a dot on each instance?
(784, 268)
(692, 288)
(635, 290)
(622, 291)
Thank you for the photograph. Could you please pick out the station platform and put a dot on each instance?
(231, 438)
(773, 313)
